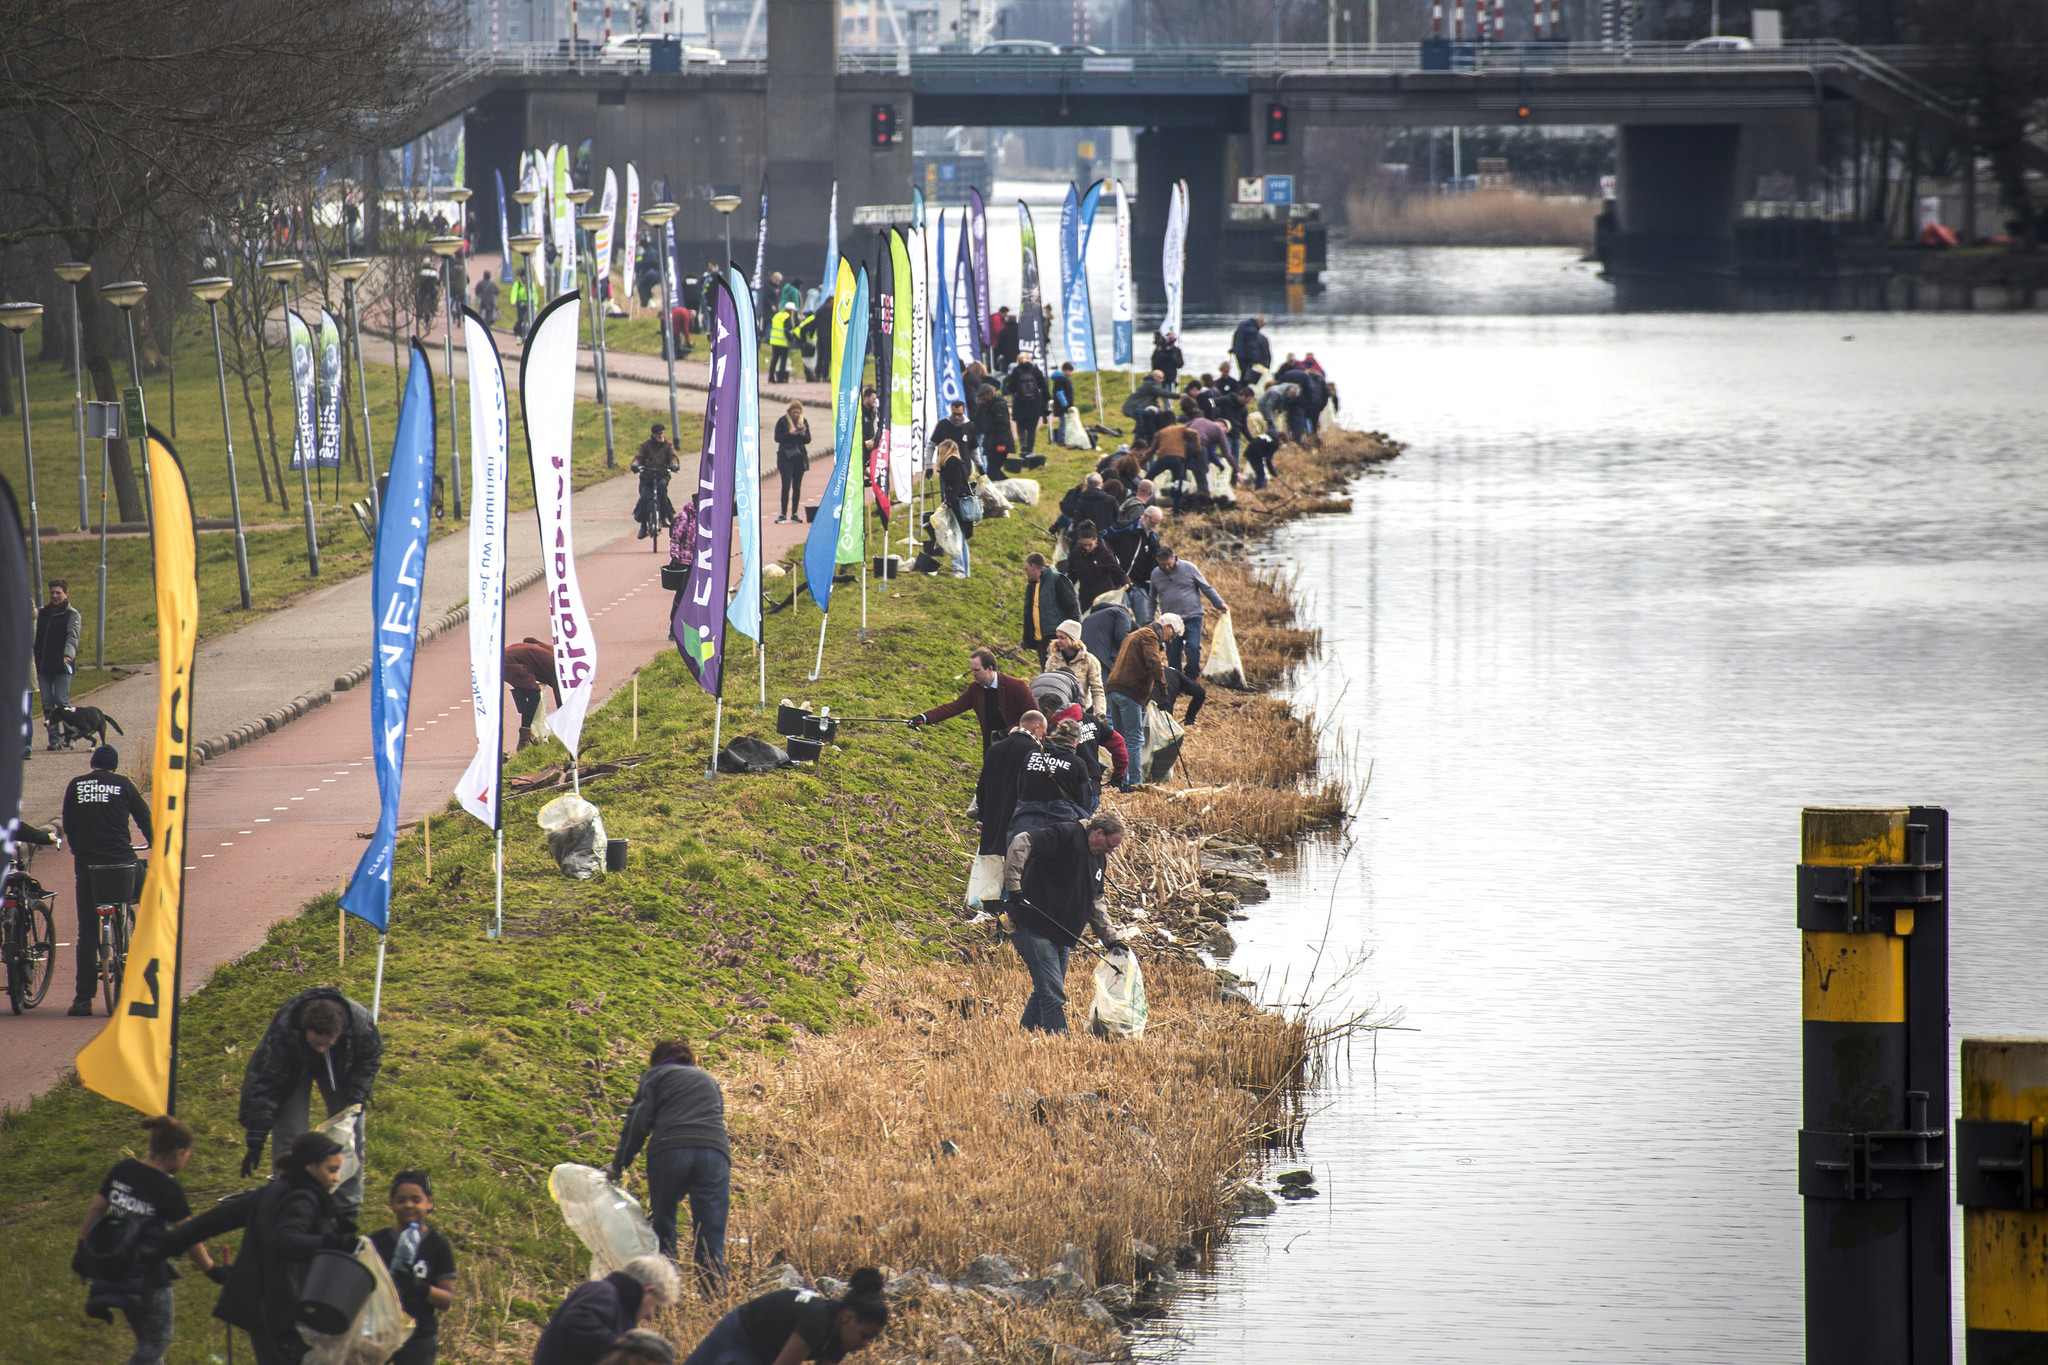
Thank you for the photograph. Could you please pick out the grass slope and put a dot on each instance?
(748, 912)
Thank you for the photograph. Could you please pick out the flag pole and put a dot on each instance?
(717, 729)
(377, 995)
(823, 621)
(498, 922)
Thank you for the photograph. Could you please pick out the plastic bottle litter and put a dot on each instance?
(604, 1217)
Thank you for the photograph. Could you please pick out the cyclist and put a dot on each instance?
(97, 808)
(654, 462)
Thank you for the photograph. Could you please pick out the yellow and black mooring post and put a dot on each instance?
(1873, 1148)
(2000, 1184)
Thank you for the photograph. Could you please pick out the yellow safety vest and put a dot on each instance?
(778, 330)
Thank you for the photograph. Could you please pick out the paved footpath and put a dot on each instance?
(275, 822)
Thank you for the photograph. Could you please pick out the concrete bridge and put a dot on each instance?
(1700, 132)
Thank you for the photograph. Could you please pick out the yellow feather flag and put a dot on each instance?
(134, 1058)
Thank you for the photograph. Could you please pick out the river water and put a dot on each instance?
(1641, 587)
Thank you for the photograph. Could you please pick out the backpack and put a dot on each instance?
(1028, 387)
(112, 1248)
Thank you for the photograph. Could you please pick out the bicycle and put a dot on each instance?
(116, 887)
(658, 514)
(28, 934)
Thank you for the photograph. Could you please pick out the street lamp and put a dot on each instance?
(590, 223)
(18, 318)
(350, 270)
(445, 248)
(284, 270)
(73, 273)
(526, 199)
(657, 216)
(725, 204)
(124, 296)
(211, 291)
(526, 243)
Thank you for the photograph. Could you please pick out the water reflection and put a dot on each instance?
(1641, 588)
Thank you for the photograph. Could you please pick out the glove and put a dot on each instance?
(1113, 945)
(615, 1175)
(217, 1272)
(254, 1157)
(918, 722)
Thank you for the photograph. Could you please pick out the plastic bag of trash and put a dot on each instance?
(604, 1217)
(381, 1326)
(1118, 1009)
(749, 755)
(985, 880)
(1073, 435)
(346, 1128)
(945, 532)
(1223, 665)
(1021, 491)
(1163, 735)
(575, 834)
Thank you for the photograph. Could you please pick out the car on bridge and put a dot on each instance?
(1721, 42)
(1018, 47)
(635, 49)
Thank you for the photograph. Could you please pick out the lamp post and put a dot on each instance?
(526, 243)
(350, 270)
(124, 296)
(284, 271)
(445, 248)
(18, 318)
(725, 204)
(589, 223)
(73, 273)
(211, 291)
(657, 216)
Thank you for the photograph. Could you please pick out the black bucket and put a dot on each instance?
(824, 729)
(886, 565)
(789, 720)
(615, 855)
(337, 1286)
(805, 750)
(674, 576)
(811, 512)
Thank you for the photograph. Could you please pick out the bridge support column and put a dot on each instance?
(1678, 201)
(1164, 156)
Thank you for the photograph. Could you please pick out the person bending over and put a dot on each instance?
(793, 1325)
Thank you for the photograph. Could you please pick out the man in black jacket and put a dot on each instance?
(1096, 503)
(56, 651)
(97, 808)
(1049, 599)
(1248, 343)
(1028, 392)
(321, 1038)
(995, 793)
(1055, 880)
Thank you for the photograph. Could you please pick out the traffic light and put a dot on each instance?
(882, 125)
(1276, 125)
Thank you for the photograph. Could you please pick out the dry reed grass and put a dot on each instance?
(1488, 217)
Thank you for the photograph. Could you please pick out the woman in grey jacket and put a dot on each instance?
(678, 1114)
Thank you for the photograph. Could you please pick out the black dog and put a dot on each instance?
(85, 722)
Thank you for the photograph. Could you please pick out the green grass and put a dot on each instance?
(277, 556)
(746, 916)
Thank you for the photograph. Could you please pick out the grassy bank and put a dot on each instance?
(1488, 217)
(277, 542)
(801, 929)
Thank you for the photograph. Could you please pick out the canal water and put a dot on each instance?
(1641, 587)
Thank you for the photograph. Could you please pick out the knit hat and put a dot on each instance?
(1067, 733)
(1070, 629)
(106, 757)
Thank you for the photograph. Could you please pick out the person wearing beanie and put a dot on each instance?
(97, 808)
(1070, 655)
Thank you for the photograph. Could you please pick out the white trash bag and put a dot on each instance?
(575, 833)
(346, 1128)
(1163, 735)
(985, 880)
(1118, 1009)
(1223, 666)
(604, 1217)
(1073, 435)
(381, 1326)
(1023, 492)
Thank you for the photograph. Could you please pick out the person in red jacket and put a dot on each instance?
(999, 700)
(530, 666)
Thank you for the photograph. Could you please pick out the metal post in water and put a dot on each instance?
(2000, 1184)
(1873, 1145)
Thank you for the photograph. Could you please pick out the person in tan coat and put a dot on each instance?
(1069, 655)
(1140, 669)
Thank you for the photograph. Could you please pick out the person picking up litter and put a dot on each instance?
(422, 1265)
(320, 1038)
(1055, 880)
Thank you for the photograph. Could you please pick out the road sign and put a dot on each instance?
(1279, 189)
(131, 406)
(1251, 189)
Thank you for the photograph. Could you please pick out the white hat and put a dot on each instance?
(1167, 618)
(1069, 628)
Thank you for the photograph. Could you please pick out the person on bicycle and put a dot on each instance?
(654, 462)
(97, 808)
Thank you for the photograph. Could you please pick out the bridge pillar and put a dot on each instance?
(1676, 216)
(1164, 156)
(798, 132)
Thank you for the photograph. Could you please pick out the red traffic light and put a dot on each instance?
(882, 125)
(1276, 125)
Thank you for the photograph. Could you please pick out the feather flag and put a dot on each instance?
(1174, 261)
(945, 359)
(1031, 336)
(547, 396)
(697, 623)
(397, 574)
(1120, 314)
(490, 438)
(976, 243)
(821, 546)
(899, 412)
(745, 611)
